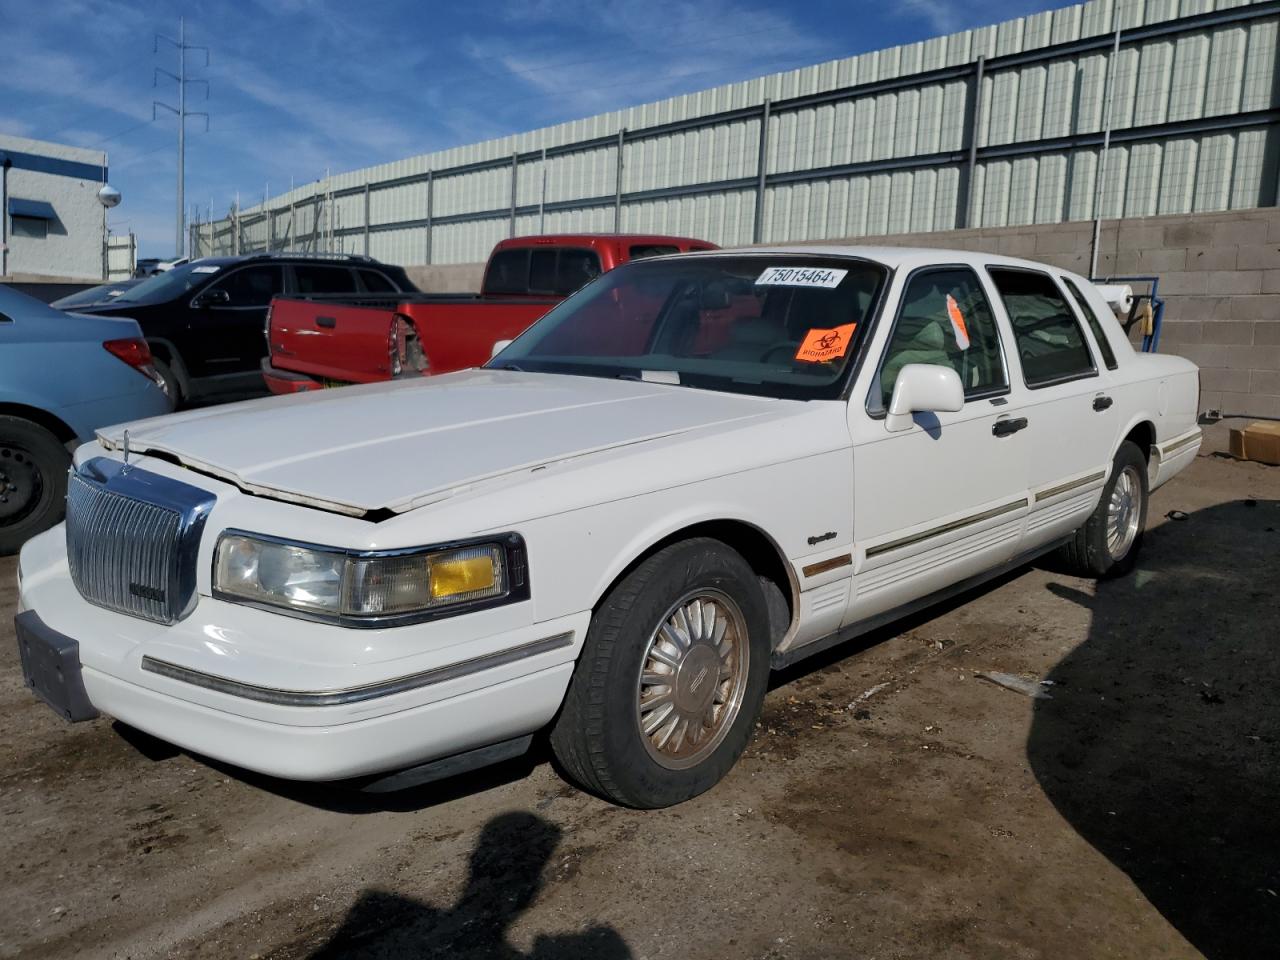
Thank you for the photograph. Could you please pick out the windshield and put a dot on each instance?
(776, 325)
(105, 293)
(170, 284)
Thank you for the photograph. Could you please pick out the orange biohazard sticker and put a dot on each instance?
(822, 345)
(958, 328)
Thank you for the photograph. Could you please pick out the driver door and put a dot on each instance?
(945, 499)
(227, 318)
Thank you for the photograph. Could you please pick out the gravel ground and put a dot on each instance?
(891, 804)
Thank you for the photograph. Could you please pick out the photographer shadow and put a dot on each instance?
(1159, 745)
(505, 875)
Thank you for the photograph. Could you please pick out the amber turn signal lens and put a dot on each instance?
(469, 573)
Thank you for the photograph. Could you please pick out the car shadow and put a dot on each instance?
(505, 874)
(1159, 746)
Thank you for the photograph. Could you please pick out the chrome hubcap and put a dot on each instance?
(1123, 513)
(692, 679)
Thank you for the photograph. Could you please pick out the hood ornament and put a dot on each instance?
(125, 445)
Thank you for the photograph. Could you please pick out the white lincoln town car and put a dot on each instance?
(696, 469)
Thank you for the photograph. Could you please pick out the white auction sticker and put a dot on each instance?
(205, 269)
(824, 277)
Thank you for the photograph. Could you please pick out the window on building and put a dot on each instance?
(34, 228)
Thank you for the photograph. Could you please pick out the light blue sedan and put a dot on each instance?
(62, 376)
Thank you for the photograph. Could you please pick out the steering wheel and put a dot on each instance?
(790, 346)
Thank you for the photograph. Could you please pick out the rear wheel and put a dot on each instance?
(1108, 543)
(172, 389)
(33, 481)
(671, 678)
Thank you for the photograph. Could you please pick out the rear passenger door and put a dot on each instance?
(1071, 419)
(945, 499)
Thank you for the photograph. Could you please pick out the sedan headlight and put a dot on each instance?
(369, 588)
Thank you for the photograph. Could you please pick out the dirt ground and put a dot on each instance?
(891, 804)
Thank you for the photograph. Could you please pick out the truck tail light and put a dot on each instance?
(136, 353)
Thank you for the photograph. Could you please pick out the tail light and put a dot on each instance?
(136, 353)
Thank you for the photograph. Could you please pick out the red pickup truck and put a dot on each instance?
(325, 339)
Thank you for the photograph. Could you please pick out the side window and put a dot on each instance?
(944, 318)
(1108, 355)
(508, 272)
(1050, 341)
(252, 286)
(577, 269)
(375, 282)
(317, 279)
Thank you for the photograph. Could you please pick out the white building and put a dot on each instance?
(52, 222)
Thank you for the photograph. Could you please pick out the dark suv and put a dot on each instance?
(205, 319)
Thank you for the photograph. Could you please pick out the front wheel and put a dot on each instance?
(671, 678)
(1108, 543)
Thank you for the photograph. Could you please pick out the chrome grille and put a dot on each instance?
(127, 552)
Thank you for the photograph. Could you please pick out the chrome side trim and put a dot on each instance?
(370, 691)
(1070, 485)
(947, 527)
(1180, 443)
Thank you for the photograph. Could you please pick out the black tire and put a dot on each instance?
(1089, 554)
(33, 481)
(172, 388)
(597, 736)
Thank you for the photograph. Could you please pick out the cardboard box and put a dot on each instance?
(1258, 441)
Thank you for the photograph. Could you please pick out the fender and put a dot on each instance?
(669, 525)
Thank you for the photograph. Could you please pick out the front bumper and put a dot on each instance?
(430, 691)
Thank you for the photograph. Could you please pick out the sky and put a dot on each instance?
(296, 87)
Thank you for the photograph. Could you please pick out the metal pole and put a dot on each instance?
(515, 172)
(762, 168)
(979, 69)
(542, 197)
(366, 219)
(182, 130)
(617, 181)
(4, 216)
(1108, 95)
(431, 189)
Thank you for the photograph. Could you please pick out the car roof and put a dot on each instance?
(893, 257)
(592, 239)
(339, 259)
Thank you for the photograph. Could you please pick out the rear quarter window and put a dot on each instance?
(1095, 323)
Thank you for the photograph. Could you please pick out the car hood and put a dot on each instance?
(395, 446)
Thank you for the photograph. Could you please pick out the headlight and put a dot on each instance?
(369, 589)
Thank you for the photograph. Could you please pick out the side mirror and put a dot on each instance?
(212, 298)
(923, 388)
(498, 347)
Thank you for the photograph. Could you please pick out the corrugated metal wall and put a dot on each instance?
(885, 155)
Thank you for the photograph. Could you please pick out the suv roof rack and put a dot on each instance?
(310, 255)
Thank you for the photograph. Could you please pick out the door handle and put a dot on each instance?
(1101, 403)
(1002, 428)
(327, 322)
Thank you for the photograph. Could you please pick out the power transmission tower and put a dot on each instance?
(182, 113)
